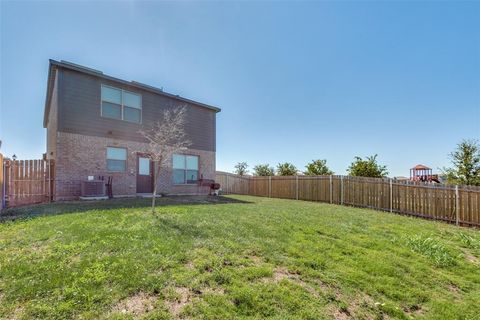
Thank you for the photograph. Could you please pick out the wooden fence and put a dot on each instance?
(2, 189)
(456, 204)
(27, 182)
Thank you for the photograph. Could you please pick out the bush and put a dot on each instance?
(241, 168)
(286, 169)
(317, 168)
(263, 170)
(367, 168)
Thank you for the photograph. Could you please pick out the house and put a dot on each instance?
(93, 122)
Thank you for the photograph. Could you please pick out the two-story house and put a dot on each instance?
(93, 122)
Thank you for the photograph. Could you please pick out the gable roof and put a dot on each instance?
(421, 167)
(54, 65)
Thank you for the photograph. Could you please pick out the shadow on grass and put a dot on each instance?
(65, 207)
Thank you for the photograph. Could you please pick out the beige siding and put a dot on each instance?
(53, 122)
(79, 111)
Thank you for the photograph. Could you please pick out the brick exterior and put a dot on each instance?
(79, 156)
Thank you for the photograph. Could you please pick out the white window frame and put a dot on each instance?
(185, 169)
(126, 159)
(122, 106)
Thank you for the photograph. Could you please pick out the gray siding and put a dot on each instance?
(79, 112)
(53, 123)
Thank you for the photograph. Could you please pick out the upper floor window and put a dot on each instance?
(185, 169)
(120, 104)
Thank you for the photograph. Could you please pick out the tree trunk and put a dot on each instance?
(154, 195)
(156, 174)
(156, 171)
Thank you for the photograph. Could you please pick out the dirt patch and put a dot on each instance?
(341, 315)
(210, 290)
(189, 265)
(183, 297)
(16, 314)
(256, 260)
(455, 290)
(471, 258)
(356, 306)
(136, 305)
(359, 307)
(415, 310)
(281, 273)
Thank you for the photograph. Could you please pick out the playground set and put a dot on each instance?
(423, 174)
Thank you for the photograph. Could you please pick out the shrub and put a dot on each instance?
(286, 169)
(263, 170)
(317, 168)
(367, 168)
(241, 168)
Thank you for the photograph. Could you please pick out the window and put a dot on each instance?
(116, 159)
(185, 169)
(143, 166)
(121, 105)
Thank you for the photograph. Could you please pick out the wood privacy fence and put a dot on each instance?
(26, 182)
(456, 204)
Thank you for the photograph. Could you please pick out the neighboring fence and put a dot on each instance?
(2, 186)
(457, 204)
(27, 182)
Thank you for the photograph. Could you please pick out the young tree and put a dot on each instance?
(241, 168)
(318, 168)
(367, 168)
(263, 170)
(466, 164)
(165, 138)
(286, 169)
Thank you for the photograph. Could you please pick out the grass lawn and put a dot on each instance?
(234, 257)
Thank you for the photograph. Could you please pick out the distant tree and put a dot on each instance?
(367, 168)
(263, 170)
(466, 164)
(286, 169)
(317, 168)
(241, 168)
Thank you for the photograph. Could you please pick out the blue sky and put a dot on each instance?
(295, 81)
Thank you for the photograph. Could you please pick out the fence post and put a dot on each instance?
(341, 190)
(391, 195)
(331, 191)
(269, 186)
(296, 187)
(457, 206)
(51, 178)
(228, 186)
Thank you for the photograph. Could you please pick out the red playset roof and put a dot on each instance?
(421, 167)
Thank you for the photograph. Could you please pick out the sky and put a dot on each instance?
(296, 81)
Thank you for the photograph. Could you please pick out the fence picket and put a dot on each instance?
(27, 181)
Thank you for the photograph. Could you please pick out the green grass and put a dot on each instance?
(236, 257)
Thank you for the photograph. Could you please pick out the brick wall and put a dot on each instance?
(79, 156)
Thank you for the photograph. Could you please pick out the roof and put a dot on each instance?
(54, 65)
(421, 167)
